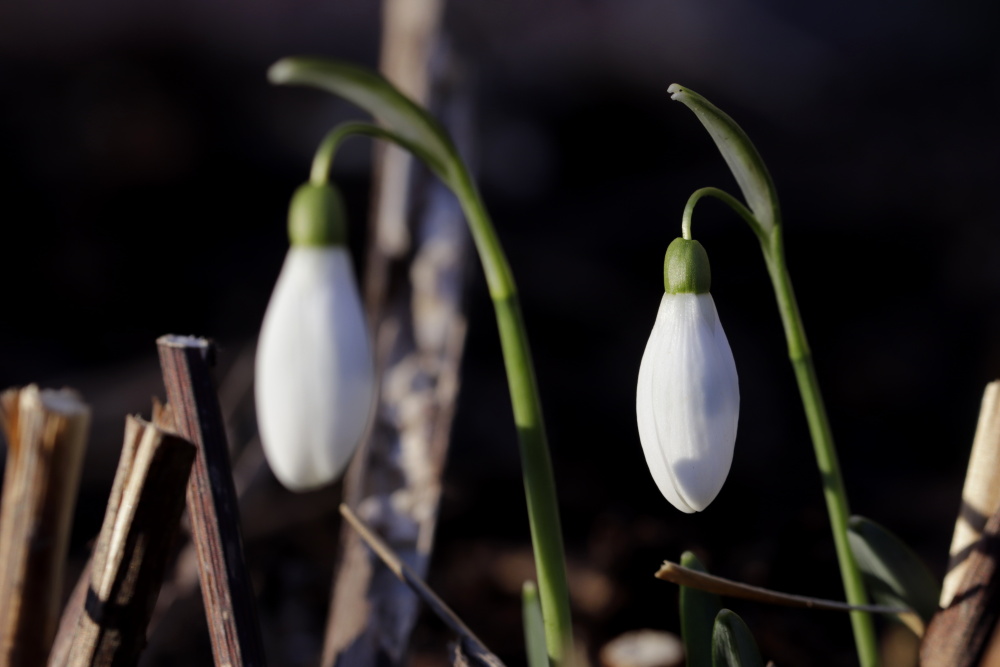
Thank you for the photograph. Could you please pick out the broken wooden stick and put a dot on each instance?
(960, 634)
(46, 438)
(127, 566)
(980, 493)
(226, 589)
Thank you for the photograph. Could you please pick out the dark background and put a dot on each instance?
(146, 165)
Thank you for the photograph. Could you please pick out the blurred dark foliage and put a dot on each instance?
(146, 165)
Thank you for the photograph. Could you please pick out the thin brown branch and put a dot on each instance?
(682, 576)
(46, 437)
(128, 563)
(471, 644)
(212, 504)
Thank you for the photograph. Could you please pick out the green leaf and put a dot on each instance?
(894, 575)
(698, 612)
(732, 643)
(739, 153)
(534, 628)
(374, 94)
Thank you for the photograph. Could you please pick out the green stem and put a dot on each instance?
(726, 198)
(323, 158)
(823, 446)
(539, 483)
(819, 425)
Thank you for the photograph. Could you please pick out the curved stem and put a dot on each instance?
(539, 482)
(823, 446)
(323, 159)
(812, 400)
(415, 130)
(726, 198)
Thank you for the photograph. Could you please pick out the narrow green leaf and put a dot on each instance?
(893, 573)
(374, 94)
(698, 612)
(534, 628)
(732, 643)
(740, 154)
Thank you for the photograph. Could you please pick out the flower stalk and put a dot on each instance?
(536, 464)
(411, 127)
(826, 452)
(763, 216)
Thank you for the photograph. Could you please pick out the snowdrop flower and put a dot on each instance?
(688, 399)
(314, 371)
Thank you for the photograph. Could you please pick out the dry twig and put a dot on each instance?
(683, 576)
(472, 647)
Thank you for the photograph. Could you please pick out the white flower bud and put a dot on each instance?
(688, 401)
(314, 376)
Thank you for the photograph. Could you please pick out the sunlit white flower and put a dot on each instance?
(688, 398)
(314, 376)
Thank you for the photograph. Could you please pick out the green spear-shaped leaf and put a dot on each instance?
(740, 154)
(732, 643)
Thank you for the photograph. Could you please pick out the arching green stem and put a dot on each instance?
(730, 200)
(824, 449)
(536, 464)
(323, 159)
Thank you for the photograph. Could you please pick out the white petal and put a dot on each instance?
(687, 401)
(315, 380)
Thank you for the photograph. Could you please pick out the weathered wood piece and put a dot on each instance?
(960, 634)
(212, 504)
(414, 285)
(980, 493)
(72, 612)
(130, 557)
(46, 437)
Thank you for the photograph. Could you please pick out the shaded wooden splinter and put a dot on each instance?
(130, 557)
(230, 607)
(980, 493)
(960, 634)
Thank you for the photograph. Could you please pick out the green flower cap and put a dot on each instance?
(685, 268)
(316, 216)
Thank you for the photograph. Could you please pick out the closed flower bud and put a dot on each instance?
(314, 370)
(688, 398)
